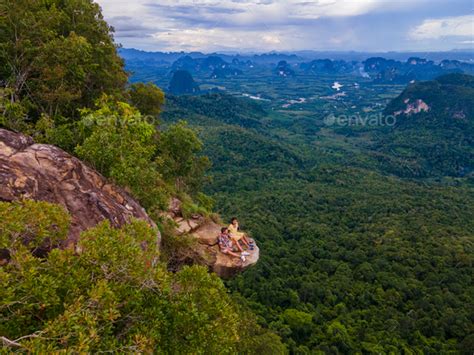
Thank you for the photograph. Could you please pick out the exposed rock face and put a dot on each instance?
(413, 108)
(206, 232)
(47, 173)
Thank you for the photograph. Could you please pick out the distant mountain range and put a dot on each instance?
(381, 69)
(298, 56)
(216, 66)
(414, 69)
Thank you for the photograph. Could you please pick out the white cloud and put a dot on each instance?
(271, 39)
(461, 26)
(217, 39)
(332, 8)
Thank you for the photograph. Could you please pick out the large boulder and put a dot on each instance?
(205, 231)
(47, 173)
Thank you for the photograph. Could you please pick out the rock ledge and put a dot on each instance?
(47, 173)
(206, 232)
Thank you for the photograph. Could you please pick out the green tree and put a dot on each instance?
(147, 98)
(299, 322)
(13, 115)
(122, 145)
(179, 148)
(57, 56)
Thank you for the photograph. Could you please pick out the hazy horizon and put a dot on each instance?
(296, 52)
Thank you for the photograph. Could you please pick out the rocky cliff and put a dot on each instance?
(47, 173)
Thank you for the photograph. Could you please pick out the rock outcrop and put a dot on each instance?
(206, 231)
(413, 107)
(47, 173)
(182, 83)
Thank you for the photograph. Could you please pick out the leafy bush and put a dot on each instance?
(33, 225)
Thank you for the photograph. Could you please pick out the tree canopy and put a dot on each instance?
(57, 56)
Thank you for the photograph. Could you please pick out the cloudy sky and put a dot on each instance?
(265, 25)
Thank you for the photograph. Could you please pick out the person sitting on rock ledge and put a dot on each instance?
(237, 236)
(225, 245)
